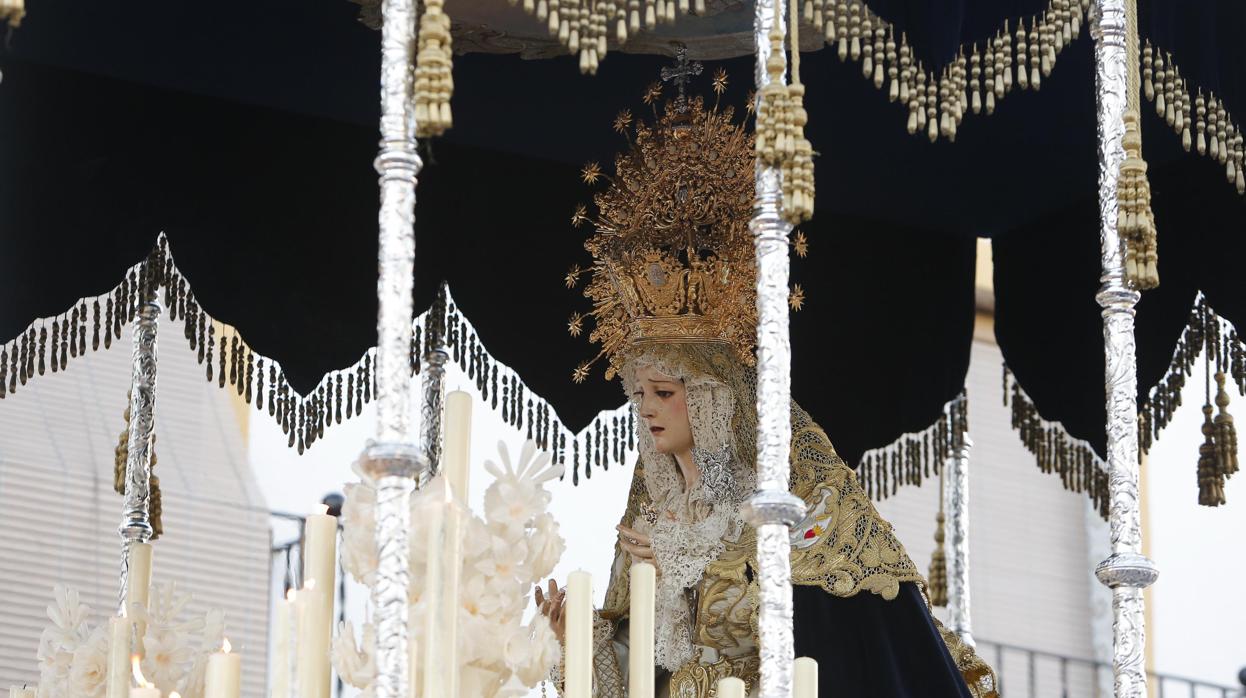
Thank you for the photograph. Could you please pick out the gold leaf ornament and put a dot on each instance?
(591, 173)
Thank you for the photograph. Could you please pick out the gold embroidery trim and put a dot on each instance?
(858, 550)
(978, 675)
(701, 680)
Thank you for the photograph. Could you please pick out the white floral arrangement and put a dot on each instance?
(73, 656)
(504, 555)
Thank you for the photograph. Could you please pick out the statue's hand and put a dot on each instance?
(638, 544)
(552, 606)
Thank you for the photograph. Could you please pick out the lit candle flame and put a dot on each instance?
(321, 509)
(225, 646)
(138, 673)
(291, 595)
(309, 584)
(175, 694)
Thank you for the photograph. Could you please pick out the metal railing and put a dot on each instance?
(1030, 673)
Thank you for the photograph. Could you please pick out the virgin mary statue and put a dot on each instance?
(672, 285)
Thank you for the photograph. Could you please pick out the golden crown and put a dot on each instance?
(673, 258)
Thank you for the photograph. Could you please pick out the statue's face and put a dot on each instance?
(663, 409)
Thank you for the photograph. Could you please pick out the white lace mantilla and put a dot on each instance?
(688, 527)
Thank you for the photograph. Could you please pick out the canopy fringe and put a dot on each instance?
(1205, 331)
(915, 457)
(609, 439)
(1224, 358)
(981, 74)
(1216, 133)
(1079, 467)
(228, 361)
(226, 357)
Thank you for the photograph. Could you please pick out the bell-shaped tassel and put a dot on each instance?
(1136, 220)
(1210, 479)
(13, 11)
(937, 579)
(434, 82)
(1225, 433)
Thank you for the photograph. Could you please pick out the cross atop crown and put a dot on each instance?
(681, 74)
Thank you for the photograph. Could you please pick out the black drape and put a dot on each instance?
(868, 647)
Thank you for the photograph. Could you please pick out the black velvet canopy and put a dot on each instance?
(249, 141)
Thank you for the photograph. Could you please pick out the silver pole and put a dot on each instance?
(433, 383)
(772, 509)
(956, 499)
(391, 462)
(135, 517)
(1126, 571)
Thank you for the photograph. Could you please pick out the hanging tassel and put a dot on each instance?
(43, 341)
(1210, 479)
(13, 11)
(434, 80)
(1135, 219)
(259, 384)
(937, 579)
(1225, 432)
(780, 140)
(13, 371)
(772, 117)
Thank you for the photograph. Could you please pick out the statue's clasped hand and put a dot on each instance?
(637, 544)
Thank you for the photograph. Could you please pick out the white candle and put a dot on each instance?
(138, 589)
(805, 682)
(413, 653)
(313, 652)
(457, 451)
(456, 456)
(730, 687)
(320, 567)
(16, 692)
(224, 676)
(450, 596)
(640, 632)
(579, 635)
(320, 559)
(433, 649)
(119, 670)
(281, 647)
(138, 579)
(145, 692)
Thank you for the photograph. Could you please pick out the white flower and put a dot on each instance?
(54, 664)
(61, 639)
(164, 607)
(504, 559)
(479, 598)
(167, 658)
(354, 663)
(359, 549)
(89, 669)
(477, 540)
(545, 548)
(478, 641)
(69, 617)
(517, 495)
(532, 650)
